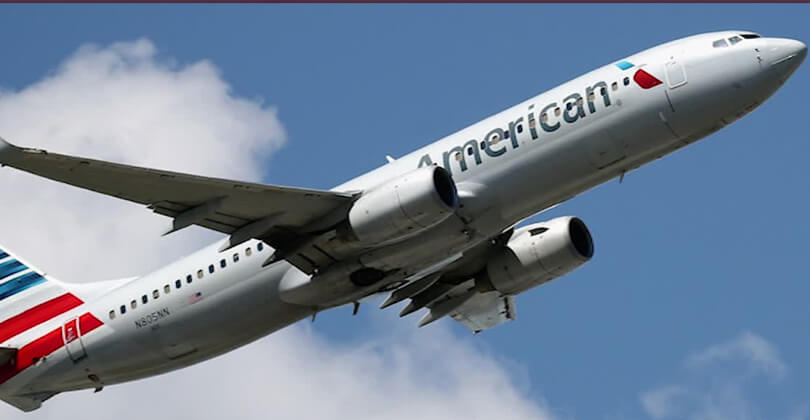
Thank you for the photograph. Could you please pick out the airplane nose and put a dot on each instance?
(785, 55)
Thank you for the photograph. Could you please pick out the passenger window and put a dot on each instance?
(614, 86)
(483, 144)
(602, 91)
(248, 252)
(155, 294)
(626, 81)
(211, 268)
(123, 309)
(520, 128)
(178, 284)
(112, 314)
(580, 101)
(506, 134)
(569, 105)
(167, 289)
(591, 97)
(199, 274)
(144, 299)
(188, 279)
(544, 117)
(735, 39)
(470, 151)
(236, 257)
(260, 247)
(222, 263)
(133, 304)
(720, 43)
(557, 111)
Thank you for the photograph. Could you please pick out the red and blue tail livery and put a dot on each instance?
(16, 277)
(35, 313)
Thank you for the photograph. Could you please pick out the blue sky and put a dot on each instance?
(703, 249)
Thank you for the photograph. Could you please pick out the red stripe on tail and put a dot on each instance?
(44, 346)
(37, 315)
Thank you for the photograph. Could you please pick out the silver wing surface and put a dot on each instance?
(281, 216)
(485, 310)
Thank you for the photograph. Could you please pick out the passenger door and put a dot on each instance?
(676, 116)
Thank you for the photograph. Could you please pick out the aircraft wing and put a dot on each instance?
(278, 215)
(485, 310)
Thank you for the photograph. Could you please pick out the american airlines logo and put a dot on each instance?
(550, 118)
(642, 78)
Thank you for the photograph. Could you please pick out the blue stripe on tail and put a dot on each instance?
(11, 267)
(2, 254)
(24, 282)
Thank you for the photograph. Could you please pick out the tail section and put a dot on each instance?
(27, 297)
(29, 301)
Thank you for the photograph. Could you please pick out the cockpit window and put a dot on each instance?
(719, 43)
(750, 36)
(735, 39)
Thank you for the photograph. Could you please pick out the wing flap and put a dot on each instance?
(485, 310)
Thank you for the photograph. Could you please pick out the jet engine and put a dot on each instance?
(536, 254)
(403, 206)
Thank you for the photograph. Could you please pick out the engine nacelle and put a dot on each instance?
(537, 254)
(404, 206)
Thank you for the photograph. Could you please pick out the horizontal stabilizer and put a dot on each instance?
(28, 403)
(8, 356)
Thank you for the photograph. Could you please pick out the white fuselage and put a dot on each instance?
(548, 156)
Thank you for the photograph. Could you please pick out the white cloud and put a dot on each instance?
(662, 402)
(295, 374)
(759, 354)
(122, 102)
(720, 383)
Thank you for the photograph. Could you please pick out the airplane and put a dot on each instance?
(439, 228)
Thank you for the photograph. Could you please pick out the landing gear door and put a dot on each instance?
(72, 337)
